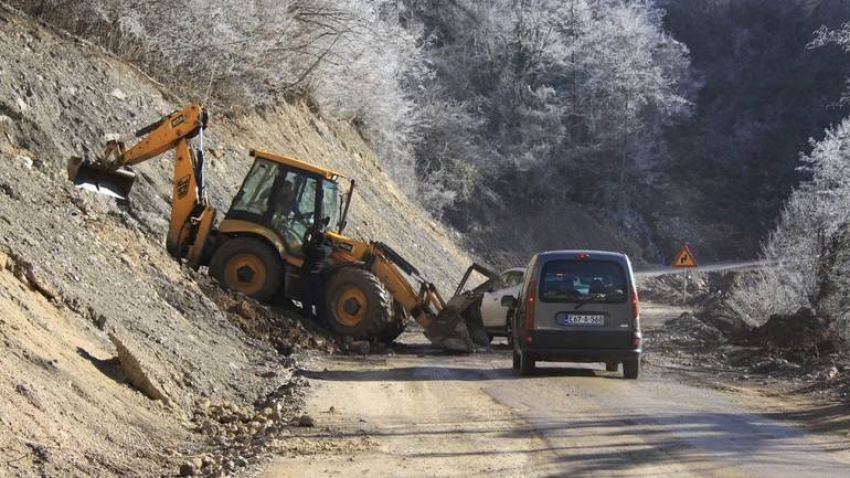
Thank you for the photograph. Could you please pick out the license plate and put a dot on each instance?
(590, 320)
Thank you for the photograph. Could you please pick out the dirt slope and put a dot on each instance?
(91, 302)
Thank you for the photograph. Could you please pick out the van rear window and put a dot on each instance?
(601, 282)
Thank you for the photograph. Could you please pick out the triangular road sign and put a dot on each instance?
(684, 258)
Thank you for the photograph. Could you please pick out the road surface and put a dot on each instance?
(421, 414)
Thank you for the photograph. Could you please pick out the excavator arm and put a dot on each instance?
(191, 217)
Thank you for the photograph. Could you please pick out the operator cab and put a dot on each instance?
(287, 196)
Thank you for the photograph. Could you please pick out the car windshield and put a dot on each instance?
(583, 281)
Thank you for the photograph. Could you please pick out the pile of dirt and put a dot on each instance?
(688, 329)
(803, 332)
(281, 325)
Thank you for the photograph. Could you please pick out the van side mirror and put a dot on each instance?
(508, 301)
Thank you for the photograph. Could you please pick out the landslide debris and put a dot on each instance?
(281, 326)
(800, 333)
(802, 352)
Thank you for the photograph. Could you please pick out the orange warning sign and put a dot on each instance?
(684, 258)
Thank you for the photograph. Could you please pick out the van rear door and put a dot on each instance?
(588, 296)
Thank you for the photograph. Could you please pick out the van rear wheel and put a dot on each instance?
(631, 369)
(527, 364)
(516, 360)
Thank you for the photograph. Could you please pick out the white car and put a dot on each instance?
(494, 315)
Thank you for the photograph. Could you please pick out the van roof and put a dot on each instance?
(574, 253)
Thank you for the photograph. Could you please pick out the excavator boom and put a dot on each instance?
(109, 175)
(191, 218)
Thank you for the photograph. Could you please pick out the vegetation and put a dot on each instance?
(809, 252)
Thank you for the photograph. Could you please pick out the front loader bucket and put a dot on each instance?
(115, 183)
(449, 331)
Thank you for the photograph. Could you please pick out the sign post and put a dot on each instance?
(684, 259)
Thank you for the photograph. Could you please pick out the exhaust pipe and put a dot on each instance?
(86, 175)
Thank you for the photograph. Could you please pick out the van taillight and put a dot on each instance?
(635, 308)
(528, 321)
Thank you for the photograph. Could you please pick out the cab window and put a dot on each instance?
(256, 191)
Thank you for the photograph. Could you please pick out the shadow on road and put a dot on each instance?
(454, 373)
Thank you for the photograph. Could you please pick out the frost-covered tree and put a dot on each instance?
(564, 93)
(350, 57)
(807, 253)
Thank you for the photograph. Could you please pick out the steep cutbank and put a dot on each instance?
(115, 362)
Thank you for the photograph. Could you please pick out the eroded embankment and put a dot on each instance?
(117, 361)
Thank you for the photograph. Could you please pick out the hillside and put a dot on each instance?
(88, 294)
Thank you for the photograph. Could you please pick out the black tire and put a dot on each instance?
(631, 369)
(396, 326)
(358, 304)
(527, 364)
(249, 266)
(611, 366)
(517, 360)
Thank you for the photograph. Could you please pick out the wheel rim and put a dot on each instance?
(245, 273)
(350, 307)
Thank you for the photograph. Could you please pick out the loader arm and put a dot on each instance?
(444, 326)
(191, 217)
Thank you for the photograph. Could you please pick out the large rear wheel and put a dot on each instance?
(358, 304)
(248, 266)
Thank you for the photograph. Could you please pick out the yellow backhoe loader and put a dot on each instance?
(257, 247)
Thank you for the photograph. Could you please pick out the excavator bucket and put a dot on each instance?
(115, 183)
(449, 331)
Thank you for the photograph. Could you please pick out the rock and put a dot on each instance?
(306, 421)
(361, 347)
(116, 93)
(136, 374)
(23, 105)
(25, 161)
(832, 373)
(188, 469)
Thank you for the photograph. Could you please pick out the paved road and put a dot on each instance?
(424, 414)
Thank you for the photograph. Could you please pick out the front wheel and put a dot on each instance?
(358, 304)
(396, 326)
(248, 266)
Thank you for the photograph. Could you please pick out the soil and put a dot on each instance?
(118, 361)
